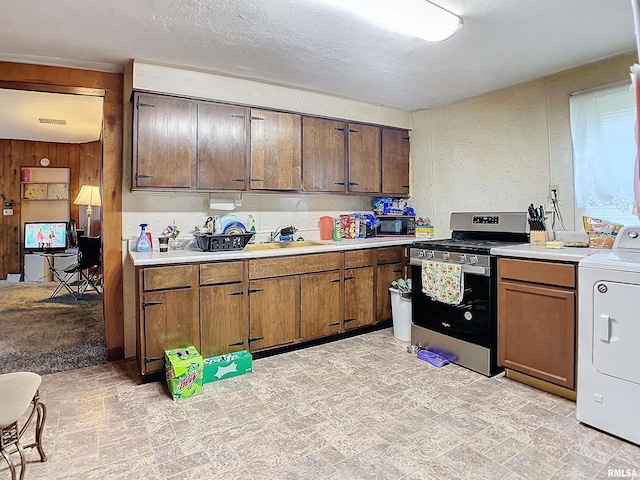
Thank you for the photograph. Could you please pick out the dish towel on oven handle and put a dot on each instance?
(443, 281)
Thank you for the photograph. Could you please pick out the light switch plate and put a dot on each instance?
(7, 211)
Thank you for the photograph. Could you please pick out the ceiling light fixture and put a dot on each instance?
(417, 18)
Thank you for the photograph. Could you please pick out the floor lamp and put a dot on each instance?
(90, 196)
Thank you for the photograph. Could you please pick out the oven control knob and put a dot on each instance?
(446, 256)
(632, 234)
(421, 253)
(430, 254)
(474, 259)
(462, 258)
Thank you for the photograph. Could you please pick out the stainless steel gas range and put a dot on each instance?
(469, 329)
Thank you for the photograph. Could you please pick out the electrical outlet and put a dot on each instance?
(556, 188)
(7, 211)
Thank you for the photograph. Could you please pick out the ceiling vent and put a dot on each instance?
(52, 121)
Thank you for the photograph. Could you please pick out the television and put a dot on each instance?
(45, 236)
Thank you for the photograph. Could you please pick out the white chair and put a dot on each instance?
(18, 391)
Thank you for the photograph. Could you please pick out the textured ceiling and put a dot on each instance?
(305, 44)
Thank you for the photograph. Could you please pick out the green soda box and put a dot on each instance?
(227, 366)
(184, 368)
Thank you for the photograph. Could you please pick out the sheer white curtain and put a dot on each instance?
(604, 153)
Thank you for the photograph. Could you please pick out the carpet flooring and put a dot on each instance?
(45, 335)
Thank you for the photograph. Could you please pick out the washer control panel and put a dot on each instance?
(628, 238)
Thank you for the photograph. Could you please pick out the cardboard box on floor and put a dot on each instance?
(227, 366)
(184, 370)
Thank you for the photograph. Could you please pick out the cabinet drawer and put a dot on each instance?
(359, 258)
(558, 274)
(158, 278)
(214, 273)
(295, 265)
(390, 255)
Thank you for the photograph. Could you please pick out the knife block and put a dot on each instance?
(538, 238)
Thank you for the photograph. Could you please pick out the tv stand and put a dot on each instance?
(36, 267)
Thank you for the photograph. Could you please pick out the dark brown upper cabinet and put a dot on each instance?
(323, 155)
(222, 147)
(364, 158)
(276, 151)
(395, 161)
(164, 142)
(188, 144)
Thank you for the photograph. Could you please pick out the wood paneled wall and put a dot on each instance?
(112, 84)
(85, 164)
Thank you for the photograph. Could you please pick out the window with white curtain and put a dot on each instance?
(604, 153)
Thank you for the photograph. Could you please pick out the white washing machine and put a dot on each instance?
(608, 390)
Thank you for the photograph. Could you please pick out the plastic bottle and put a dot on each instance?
(251, 228)
(143, 244)
(217, 225)
(326, 228)
(337, 230)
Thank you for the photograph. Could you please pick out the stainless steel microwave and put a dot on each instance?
(396, 226)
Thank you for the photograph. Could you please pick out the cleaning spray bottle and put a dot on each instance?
(251, 228)
(143, 244)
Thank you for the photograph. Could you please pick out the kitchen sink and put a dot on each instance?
(277, 245)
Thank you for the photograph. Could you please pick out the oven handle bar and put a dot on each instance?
(466, 268)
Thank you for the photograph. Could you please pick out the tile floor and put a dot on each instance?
(360, 408)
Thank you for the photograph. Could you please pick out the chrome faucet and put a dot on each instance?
(282, 231)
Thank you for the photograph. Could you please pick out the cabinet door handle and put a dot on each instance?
(237, 179)
(341, 129)
(237, 116)
(339, 183)
(348, 278)
(152, 359)
(405, 186)
(353, 183)
(605, 328)
(150, 304)
(256, 118)
(256, 179)
(254, 290)
(140, 104)
(352, 130)
(335, 280)
(237, 344)
(142, 175)
(255, 339)
(405, 138)
(334, 324)
(236, 293)
(347, 320)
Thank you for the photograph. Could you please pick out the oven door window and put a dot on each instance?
(469, 321)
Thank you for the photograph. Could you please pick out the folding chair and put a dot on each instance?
(85, 273)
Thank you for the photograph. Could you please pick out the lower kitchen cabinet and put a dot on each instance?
(320, 305)
(274, 312)
(262, 303)
(537, 319)
(223, 319)
(390, 267)
(359, 289)
(168, 314)
(223, 308)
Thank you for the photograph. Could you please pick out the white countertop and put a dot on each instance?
(565, 254)
(196, 255)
